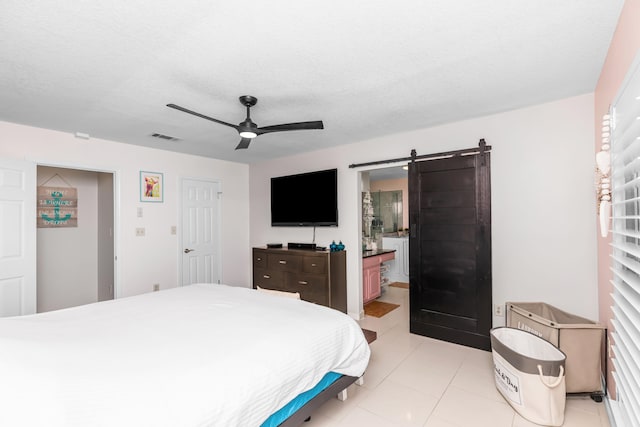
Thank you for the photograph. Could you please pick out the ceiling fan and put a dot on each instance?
(248, 129)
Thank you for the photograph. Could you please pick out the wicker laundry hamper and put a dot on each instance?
(582, 340)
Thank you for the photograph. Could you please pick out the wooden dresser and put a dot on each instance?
(319, 276)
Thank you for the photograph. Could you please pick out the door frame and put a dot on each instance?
(217, 228)
(367, 169)
(116, 211)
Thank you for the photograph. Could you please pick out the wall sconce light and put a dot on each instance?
(603, 164)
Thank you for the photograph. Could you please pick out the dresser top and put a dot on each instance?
(297, 251)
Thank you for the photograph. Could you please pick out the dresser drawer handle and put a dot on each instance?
(302, 282)
(314, 265)
(282, 261)
(259, 259)
(266, 276)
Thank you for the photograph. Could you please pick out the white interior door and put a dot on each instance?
(200, 231)
(17, 238)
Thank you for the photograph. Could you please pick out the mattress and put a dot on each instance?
(199, 355)
(299, 401)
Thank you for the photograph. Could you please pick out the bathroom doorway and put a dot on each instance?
(384, 234)
(385, 197)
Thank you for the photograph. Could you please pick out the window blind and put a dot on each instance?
(625, 182)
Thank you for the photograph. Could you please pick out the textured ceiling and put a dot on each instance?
(367, 68)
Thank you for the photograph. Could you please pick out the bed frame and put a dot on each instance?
(337, 388)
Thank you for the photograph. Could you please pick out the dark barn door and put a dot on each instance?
(450, 249)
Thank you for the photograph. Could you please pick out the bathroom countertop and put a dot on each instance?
(373, 252)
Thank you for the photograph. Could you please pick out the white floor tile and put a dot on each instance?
(604, 415)
(399, 404)
(418, 381)
(436, 422)
(362, 417)
(478, 378)
(440, 351)
(519, 421)
(336, 410)
(383, 361)
(574, 417)
(459, 407)
(426, 372)
(585, 403)
(375, 324)
(387, 353)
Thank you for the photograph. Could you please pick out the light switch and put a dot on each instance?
(139, 212)
(173, 229)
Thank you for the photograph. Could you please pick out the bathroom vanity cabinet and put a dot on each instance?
(371, 272)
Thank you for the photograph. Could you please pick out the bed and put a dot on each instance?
(199, 355)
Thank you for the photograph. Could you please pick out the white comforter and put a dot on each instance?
(200, 355)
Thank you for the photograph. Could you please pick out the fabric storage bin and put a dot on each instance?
(582, 340)
(529, 373)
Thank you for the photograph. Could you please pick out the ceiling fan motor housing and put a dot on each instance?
(248, 100)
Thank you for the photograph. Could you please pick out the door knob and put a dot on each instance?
(186, 251)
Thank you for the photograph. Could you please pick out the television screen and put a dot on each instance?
(305, 200)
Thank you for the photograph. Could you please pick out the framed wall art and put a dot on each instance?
(57, 207)
(151, 187)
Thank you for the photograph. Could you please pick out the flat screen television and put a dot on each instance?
(305, 200)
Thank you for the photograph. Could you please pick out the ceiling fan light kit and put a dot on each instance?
(248, 134)
(247, 129)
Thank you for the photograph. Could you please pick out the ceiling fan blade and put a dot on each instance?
(179, 108)
(291, 126)
(244, 143)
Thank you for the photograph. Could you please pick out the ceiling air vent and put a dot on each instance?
(167, 137)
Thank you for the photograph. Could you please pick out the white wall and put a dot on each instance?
(143, 261)
(543, 200)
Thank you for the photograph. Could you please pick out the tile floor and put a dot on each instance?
(417, 381)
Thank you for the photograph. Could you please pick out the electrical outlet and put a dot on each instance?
(498, 309)
(156, 287)
(174, 229)
(140, 231)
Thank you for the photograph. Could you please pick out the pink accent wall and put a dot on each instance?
(622, 51)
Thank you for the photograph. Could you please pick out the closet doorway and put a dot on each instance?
(75, 242)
